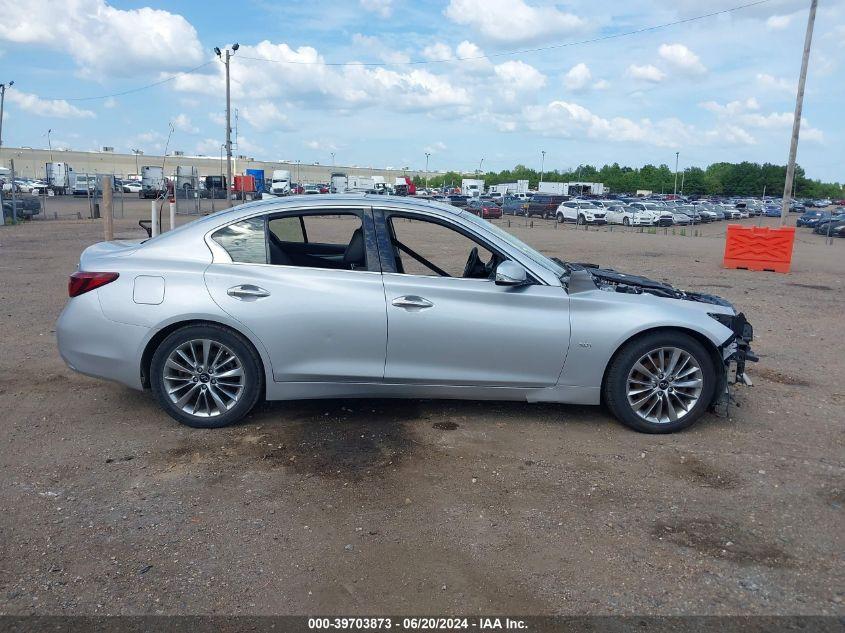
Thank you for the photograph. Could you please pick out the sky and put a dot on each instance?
(383, 82)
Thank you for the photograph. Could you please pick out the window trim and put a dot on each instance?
(365, 214)
(388, 264)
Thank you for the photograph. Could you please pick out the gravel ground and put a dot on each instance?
(439, 507)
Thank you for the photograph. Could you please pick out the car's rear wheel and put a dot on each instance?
(660, 382)
(206, 376)
(626, 221)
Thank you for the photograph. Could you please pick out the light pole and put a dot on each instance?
(225, 58)
(542, 165)
(677, 154)
(478, 173)
(332, 159)
(427, 154)
(2, 102)
(50, 143)
(136, 152)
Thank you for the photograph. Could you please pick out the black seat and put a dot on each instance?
(355, 255)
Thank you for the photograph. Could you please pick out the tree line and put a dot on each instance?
(718, 179)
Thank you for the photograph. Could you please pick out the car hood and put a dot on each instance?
(615, 281)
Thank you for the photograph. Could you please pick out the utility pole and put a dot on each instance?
(332, 159)
(542, 165)
(796, 121)
(427, 154)
(2, 103)
(137, 169)
(677, 154)
(225, 58)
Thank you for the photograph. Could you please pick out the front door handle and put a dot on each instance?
(411, 302)
(247, 292)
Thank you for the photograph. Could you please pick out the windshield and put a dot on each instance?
(518, 244)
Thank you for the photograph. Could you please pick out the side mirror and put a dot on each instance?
(511, 274)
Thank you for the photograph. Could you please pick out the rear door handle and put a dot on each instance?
(247, 292)
(411, 302)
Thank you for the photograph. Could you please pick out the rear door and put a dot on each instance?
(308, 284)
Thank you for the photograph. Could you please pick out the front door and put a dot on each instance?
(450, 324)
(308, 286)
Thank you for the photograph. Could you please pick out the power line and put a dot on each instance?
(131, 90)
(523, 51)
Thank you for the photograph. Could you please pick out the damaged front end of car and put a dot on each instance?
(734, 352)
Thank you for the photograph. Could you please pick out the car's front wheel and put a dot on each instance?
(660, 382)
(206, 376)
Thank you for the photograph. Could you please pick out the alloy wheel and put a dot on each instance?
(664, 385)
(204, 378)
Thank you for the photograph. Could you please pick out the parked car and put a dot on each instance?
(545, 205)
(514, 206)
(822, 224)
(796, 207)
(580, 212)
(263, 311)
(25, 207)
(663, 216)
(772, 211)
(131, 186)
(680, 219)
(39, 188)
(486, 209)
(837, 229)
(311, 190)
(458, 200)
(629, 216)
(812, 217)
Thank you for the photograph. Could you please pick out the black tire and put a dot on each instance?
(243, 350)
(615, 389)
(560, 219)
(626, 221)
(581, 220)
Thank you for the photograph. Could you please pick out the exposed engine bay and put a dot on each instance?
(736, 351)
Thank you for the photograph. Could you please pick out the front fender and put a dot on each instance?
(601, 322)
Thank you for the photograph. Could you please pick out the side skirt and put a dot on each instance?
(316, 390)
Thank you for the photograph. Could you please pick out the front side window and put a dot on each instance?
(426, 248)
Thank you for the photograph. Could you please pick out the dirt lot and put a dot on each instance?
(365, 507)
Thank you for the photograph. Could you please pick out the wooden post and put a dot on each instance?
(108, 208)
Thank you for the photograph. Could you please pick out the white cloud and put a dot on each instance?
(209, 147)
(520, 76)
(437, 51)
(321, 145)
(379, 49)
(218, 118)
(778, 84)
(578, 77)
(59, 108)
(745, 113)
(435, 148)
(778, 22)
(265, 115)
(646, 73)
(681, 58)
(101, 38)
(566, 119)
(731, 108)
(513, 21)
(381, 7)
(601, 84)
(309, 81)
(111, 102)
(182, 122)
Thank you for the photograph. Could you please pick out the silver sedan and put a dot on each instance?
(372, 297)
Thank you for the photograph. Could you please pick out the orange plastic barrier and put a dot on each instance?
(759, 248)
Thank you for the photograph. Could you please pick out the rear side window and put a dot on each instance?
(244, 241)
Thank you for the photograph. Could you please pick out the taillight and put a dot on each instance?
(81, 282)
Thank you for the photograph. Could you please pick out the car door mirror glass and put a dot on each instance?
(511, 274)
